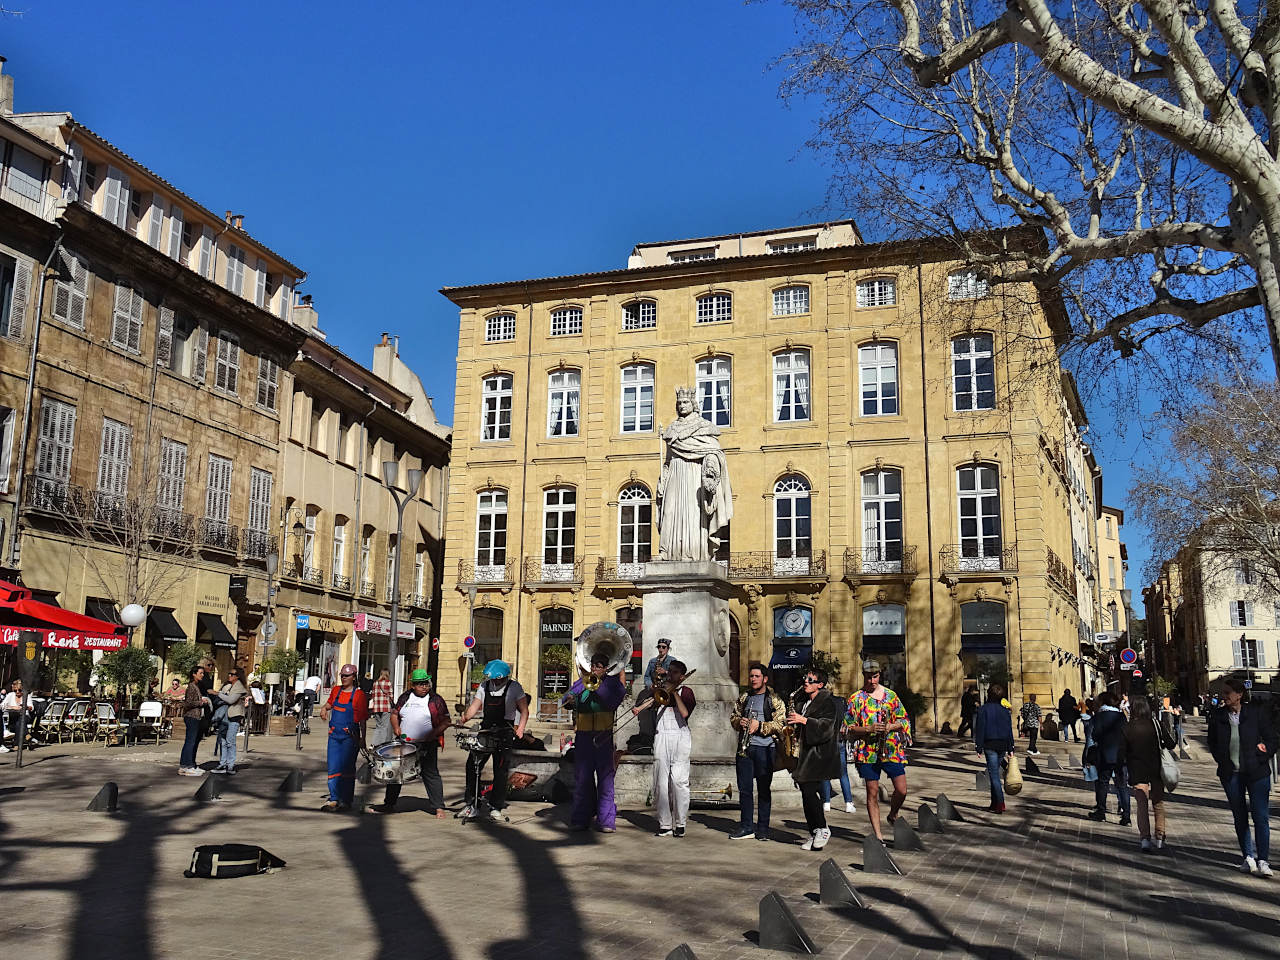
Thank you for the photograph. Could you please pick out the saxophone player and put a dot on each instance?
(759, 716)
(594, 699)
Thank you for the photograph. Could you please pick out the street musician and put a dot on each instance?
(759, 716)
(594, 698)
(671, 749)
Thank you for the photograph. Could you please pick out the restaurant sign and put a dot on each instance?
(66, 639)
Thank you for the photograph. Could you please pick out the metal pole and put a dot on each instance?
(393, 648)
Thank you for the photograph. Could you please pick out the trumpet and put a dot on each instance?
(664, 695)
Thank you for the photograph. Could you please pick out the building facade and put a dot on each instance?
(1113, 565)
(900, 454)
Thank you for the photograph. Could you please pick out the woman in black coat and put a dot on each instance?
(1143, 739)
(1242, 740)
(815, 723)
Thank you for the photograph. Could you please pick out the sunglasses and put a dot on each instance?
(812, 680)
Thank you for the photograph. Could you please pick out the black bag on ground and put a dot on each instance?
(222, 860)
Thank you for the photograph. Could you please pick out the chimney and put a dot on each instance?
(6, 91)
(384, 339)
(237, 221)
(228, 216)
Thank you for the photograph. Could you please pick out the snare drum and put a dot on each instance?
(395, 762)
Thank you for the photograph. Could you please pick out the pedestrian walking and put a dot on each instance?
(1144, 737)
(881, 729)
(968, 707)
(380, 709)
(1068, 714)
(346, 712)
(1243, 740)
(993, 737)
(1107, 734)
(233, 695)
(1031, 723)
(815, 721)
(193, 706)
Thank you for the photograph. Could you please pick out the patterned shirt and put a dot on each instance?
(380, 701)
(865, 711)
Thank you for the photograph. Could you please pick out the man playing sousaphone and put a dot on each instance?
(419, 717)
(594, 698)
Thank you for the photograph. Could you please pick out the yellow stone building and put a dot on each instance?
(908, 476)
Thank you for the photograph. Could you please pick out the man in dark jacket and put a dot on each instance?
(1243, 740)
(815, 721)
(1108, 738)
(968, 707)
(1068, 714)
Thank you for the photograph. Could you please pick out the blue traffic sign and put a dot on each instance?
(469, 642)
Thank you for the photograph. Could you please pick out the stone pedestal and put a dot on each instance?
(688, 604)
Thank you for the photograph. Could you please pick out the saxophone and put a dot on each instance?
(789, 752)
(744, 735)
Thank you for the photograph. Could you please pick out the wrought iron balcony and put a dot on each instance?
(216, 535)
(312, 575)
(54, 496)
(538, 572)
(368, 590)
(419, 600)
(620, 569)
(112, 510)
(498, 575)
(1059, 572)
(772, 565)
(341, 584)
(173, 525)
(889, 560)
(973, 557)
(258, 545)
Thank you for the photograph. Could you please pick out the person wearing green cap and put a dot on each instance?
(421, 717)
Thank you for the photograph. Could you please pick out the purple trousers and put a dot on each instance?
(593, 779)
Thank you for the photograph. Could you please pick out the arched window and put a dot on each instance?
(979, 509)
(974, 372)
(565, 321)
(495, 407)
(563, 388)
(790, 385)
(639, 315)
(877, 292)
(491, 535)
(793, 545)
(635, 530)
(715, 387)
(637, 398)
(499, 327)
(878, 376)
(559, 532)
(788, 301)
(715, 308)
(882, 521)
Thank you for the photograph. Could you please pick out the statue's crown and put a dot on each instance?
(686, 393)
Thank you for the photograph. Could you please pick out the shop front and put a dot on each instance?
(373, 648)
(212, 632)
(555, 661)
(884, 636)
(982, 644)
(321, 641)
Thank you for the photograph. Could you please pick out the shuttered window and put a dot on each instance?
(172, 486)
(71, 294)
(15, 296)
(57, 435)
(235, 270)
(260, 485)
(164, 338)
(199, 354)
(155, 222)
(126, 319)
(175, 233)
(227, 372)
(286, 301)
(115, 197)
(268, 382)
(217, 501)
(260, 284)
(205, 263)
(113, 458)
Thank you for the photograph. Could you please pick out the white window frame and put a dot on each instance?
(968, 354)
(499, 328)
(71, 296)
(793, 245)
(564, 392)
(715, 308)
(692, 256)
(495, 407)
(126, 318)
(640, 315)
(792, 394)
(878, 379)
(877, 292)
(390, 578)
(366, 561)
(559, 532)
(980, 549)
(881, 549)
(226, 376)
(713, 378)
(491, 520)
(338, 561)
(566, 321)
(420, 571)
(1241, 612)
(792, 526)
(637, 386)
(8, 418)
(967, 285)
(635, 530)
(791, 301)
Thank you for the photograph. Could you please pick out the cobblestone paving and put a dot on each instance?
(1039, 882)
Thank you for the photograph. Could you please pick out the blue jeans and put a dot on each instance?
(227, 743)
(1246, 799)
(191, 741)
(845, 789)
(993, 774)
(1100, 786)
(755, 768)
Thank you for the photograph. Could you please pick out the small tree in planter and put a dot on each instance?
(183, 658)
(127, 669)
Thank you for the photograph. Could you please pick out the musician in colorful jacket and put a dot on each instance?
(593, 746)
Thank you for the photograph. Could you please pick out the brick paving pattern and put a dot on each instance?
(1039, 882)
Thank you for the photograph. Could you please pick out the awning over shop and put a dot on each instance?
(789, 657)
(58, 628)
(985, 645)
(211, 630)
(883, 644)
(163, 623)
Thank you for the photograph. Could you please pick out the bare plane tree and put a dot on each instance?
(1135, 135)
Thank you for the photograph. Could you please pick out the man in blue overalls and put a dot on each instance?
(346, 713)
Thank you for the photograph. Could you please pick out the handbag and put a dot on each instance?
(1169, 772)
(1090, 773)
(1012, 777)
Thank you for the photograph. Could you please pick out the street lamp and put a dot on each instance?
(390, 474)
(272, 561)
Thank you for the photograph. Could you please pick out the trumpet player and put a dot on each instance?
(671, 748)
(594, 699)
(759, 716)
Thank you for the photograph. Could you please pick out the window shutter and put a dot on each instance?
(286, 300)
(1262, 655)
(260, 288)
(175, 233)
(155, 228)
(135, 323)
(200, 358)
(21, 296)
(72, 173)
(206, 253)
(111, 197)
(164, 337)
(220, 366)
(120, 315)
(1248, 614)
(1237, 657)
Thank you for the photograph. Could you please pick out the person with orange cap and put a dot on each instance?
(346, 713)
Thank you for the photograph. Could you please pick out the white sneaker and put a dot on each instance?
(849, 807)
(1250, 865)
(821, 838)
(1145, 844)
(1264, 869)
(808, 844)
(1158, 843)
(827, 805)
(3, 748)
(1033, 753)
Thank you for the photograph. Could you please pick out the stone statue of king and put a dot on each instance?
(695, 501)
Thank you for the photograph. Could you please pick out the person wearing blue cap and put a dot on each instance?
(504, 714)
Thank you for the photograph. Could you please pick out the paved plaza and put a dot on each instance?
(1040, 881)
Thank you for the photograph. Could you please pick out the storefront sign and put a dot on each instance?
(65, 639)
(381, 626)
(211, 601)
(884, 619)
(304, 621)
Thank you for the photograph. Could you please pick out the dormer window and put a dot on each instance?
(691, 256)
(793, 245)
(967, 285)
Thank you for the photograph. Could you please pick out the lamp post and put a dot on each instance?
(390, 474)
(272, 561)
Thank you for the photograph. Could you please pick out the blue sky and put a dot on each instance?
(392, 149)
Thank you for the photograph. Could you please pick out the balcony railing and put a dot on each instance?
(619, 569)
(1060, 572)
(54, 496)
(393, 597)
(368, 590)
(538, 571)
(889, 560)
(216, 535)
(486, 574)
(772, 565)
(312, 575)
(173, 525)
(111, 510)
(419, 600)
(341, 584)
(973, 557)
(258, 545)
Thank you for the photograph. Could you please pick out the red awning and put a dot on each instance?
(58, 628)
